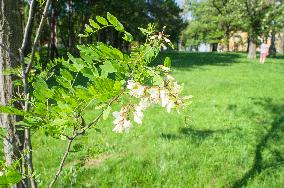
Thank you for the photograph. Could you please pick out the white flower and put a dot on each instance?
(138, 113)
(153, 37)
(144, 103)
(138, 116)
(131, 84)
(164, 97)
(176, 88)
(169, 77)
(126, 125)
(154, 94)
(138, 91)
(2, 172)
(160, 35)
(121, 122)
(164, 68)
(167, 40)
(170, 105)
(118, 117)
(187, 97)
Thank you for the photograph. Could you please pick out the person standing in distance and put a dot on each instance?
(264, 51)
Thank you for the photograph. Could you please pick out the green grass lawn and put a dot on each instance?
(232, 136)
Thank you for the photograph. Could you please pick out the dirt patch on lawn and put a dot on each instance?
(93, 162)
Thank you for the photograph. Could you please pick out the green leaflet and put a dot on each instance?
(106, 112)
(41, 91)
(11, 110)
(102, 20)
(107, 68)
(77, 63)
(94, 24)
(88, 29)
(113, 20)
(10, 177)
(127, 36)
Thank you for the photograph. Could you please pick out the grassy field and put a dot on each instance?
(232, 136)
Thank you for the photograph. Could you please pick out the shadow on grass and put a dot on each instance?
(194, 59)
(198, 59)
(270, 141)
(195, 133)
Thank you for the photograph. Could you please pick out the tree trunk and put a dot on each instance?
(71, 35)
(272, 48)
(214, 47)
(252, 49)
(10, 38)
(53, 36)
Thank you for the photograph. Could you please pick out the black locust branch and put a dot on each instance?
(76, 134)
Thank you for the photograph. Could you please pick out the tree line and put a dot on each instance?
(67, 19)
(215, 21)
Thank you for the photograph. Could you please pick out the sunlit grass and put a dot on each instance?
(232, 136)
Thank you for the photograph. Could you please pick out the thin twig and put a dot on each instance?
(99, 116)
(28, 27)
(62, 162)
(76, 134)
(37, 36)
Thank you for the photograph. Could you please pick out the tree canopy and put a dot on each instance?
(215, 21)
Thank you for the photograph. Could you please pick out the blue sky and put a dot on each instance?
(179, 2)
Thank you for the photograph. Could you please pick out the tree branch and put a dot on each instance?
(27, 28)
(62, 162)
(76, 134)
(37, 36)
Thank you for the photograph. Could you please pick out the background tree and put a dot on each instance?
(213, 22)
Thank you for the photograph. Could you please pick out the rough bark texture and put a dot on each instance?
(252, 49)
(10, 37)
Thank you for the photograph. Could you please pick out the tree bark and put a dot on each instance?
(71, 35)
(214, 47)
(53, 35)
(252, 49)
(10, 37)
(272, 48)
(30, 31)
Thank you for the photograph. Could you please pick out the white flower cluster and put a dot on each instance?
(160, 36)
(121, 121)
(166, 95)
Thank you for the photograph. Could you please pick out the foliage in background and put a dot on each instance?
(215, 21)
